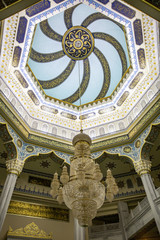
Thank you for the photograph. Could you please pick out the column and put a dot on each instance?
(123, 214)
(14, 168)
(143, 168)
(80, 233)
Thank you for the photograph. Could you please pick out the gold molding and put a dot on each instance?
(16, 7)
(30, 230)
(144, 7)
(14, 166)
(38, 211)
(151, 5)
(142, 166)
(101, 144)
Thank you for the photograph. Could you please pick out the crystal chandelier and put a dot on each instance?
(82, 190)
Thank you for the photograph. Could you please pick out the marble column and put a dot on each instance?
(123, 214)
(80, 233)
(14, 168)
(143, 168)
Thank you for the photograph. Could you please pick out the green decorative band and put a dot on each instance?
(78, 43)
(48, 84)
(96, 16)
(108, 38)
(49, 32)
(84, 84)
(68, 17)
(107, 74)
(45, 57)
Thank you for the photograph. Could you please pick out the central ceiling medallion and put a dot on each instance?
(78, 43)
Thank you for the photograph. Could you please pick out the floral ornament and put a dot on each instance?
(45, 164)
(111, 165)
(78, 43)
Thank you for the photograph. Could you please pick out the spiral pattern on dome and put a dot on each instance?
(79, 35)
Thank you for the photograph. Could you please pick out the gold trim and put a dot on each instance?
(1, 33)
(12, 4)
(14, 166)
(151, 5)
(16, 7)
(144, 172)
(140, 5)
(38, 211)
(30, 230)
(18, 1)
(142, 166)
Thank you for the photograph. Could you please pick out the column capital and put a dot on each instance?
(142, 166)
(14, 166)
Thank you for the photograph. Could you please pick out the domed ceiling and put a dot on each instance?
(79, 47)
(56, 51)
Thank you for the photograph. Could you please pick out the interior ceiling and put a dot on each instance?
(95, 74)
(43, 164)
(129, 50)
(10, 7)
(118, 71)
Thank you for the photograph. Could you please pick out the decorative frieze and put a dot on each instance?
(30, 230)
(38, 211)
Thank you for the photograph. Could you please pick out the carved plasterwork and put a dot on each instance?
(136, 149)
(102, 144)
(21, 150)
(14, 166)
(31, 230)
(38, 211)
(142, 166)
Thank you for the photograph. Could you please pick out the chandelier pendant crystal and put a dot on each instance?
(82, 190)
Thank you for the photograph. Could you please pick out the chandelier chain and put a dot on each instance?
(80, 107)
